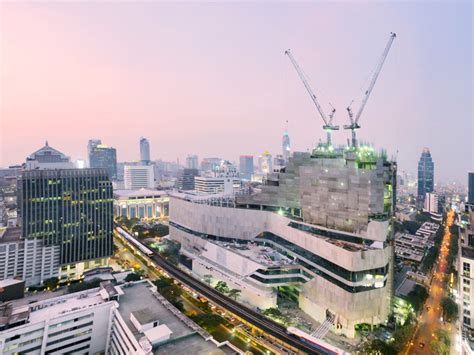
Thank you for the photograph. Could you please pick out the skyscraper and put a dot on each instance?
(192, 162)
(102, 156)
(285, 145)
(425, 176)
(91, 144)
(246, 166)
(470, 194)
(71, 208)
(144, 151)
(265, 163)
(185, 179)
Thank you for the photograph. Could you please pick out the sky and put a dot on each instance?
(212, 79)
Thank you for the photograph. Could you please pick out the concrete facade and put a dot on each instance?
(329, 213)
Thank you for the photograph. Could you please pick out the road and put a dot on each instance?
(429, 321)
(252, 317)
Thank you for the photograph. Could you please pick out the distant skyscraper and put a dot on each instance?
(192, 162)
(102, 156)
(425, 176)
(470, 194)
(71, 208)
(185, 180)
(91, 144)
(48, 158)
(139, 177)
(144, 151)
(246, 166)
(210, 164)
(286, 150)
(265, 163)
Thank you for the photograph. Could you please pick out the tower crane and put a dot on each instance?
(354, 120)
(328, 125)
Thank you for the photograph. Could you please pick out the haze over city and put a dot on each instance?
(212, 79)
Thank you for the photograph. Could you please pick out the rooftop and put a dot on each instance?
(141, 193)
(263, 255)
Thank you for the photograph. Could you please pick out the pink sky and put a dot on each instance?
(212, 79)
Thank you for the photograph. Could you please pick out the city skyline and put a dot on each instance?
(139, 65)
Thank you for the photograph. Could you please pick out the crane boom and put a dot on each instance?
(328, 126)
(354, 120)
(374, 77)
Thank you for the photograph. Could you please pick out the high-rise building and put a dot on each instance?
(279, 161)
(246, 166)
(72, 209)
(431, 203)
(470, 188)
(91, 144)
(210, 164)
(192, 162)
(265, 163)
(144, 151)
(318, 234)
(466, 282)
(285, 145)
(425, 176)
(185, 179)
(102, 156)
(48, 158)
(139, 177)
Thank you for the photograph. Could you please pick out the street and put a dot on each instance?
(429, 322)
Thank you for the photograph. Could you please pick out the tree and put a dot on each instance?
(207, 321)
(82, 286)
(442, 343)
(417, 297)
(133, 276)
(378, 346)
(169, 290)
(450, 309)
(234, 293)
(51, 283)
(222, 287)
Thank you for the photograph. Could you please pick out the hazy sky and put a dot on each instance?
(212, 79)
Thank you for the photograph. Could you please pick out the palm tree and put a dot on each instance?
(234, 293)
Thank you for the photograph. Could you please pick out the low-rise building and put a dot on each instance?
(410, 247)
(143, 203)
(128, 319)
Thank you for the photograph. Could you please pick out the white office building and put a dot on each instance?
(139, 177)
(431, 203)
(129, 319)
(224, 180)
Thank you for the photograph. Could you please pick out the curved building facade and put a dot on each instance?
(317, 233)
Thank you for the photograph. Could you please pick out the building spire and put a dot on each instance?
(46, 144)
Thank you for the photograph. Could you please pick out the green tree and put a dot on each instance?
(450, 309)
(51, 283)
(207, 321)
(417, 297)
(133, 276)
(378, 346)
(168, 289)
(222, 287)
(82, 286)
(234, 293)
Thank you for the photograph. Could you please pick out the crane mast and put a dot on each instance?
(354, 120)
(328, 125)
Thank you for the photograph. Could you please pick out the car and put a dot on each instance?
(422, 345)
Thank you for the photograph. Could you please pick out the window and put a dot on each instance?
(466, 281)
(467, 312)
(467, 321)
(466, 269)
(466, 289)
